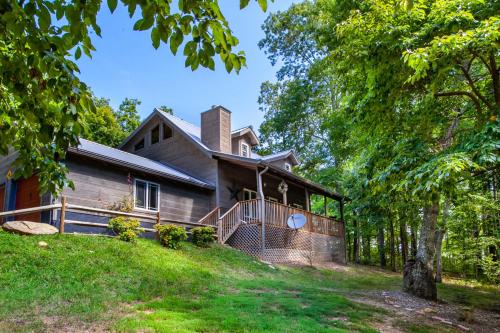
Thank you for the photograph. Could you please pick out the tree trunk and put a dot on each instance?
(381, 246)
(413, 235)
(366, 248)
(392, 245)
(439, 241)
(418, 276)
(356, 242)
(404, 241)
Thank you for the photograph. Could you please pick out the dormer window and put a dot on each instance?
(155, 135)
(139, 145)
(167, 132)
(245, 150)
(288, 167)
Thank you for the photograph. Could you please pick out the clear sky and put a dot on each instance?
(126, 65)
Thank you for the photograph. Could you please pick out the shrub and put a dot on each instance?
(171, 235)
(203, 236)
(126, 229)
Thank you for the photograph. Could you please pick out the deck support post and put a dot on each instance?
(262, 208)
(308, 200)
(325, 205)
(63, 215)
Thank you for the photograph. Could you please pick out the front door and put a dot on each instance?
(249, 211)
(27, 196)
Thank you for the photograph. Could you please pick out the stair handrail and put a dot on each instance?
(211, 218)
(222, 233)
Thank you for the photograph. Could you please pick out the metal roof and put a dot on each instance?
(120, 157)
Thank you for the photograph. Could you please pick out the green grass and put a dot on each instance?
(84, 280)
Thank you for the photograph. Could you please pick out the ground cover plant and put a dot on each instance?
(88, 282)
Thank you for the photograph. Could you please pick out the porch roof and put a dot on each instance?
(256, 163)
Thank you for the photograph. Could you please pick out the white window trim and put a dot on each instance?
(273, 199)
(250, 191)
(299, 206)
(147, 195)
(248, 149)
(288, 167)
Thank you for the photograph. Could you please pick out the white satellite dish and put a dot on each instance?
(296, 221)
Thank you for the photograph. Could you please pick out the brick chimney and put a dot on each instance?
(216, 129)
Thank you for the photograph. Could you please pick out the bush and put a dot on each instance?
(126, 229)
(171, 235)
(203, 236)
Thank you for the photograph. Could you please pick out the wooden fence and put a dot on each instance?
(64, 207)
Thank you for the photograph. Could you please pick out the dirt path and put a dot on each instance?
(406, 309)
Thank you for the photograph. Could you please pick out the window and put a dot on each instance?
(249, 194)
(245, 150)
(147, 195)
(155, 135)
(249, 211)
(167, 132)
(288, 167)
(139, 145)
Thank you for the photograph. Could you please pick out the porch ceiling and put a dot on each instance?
(255, 164)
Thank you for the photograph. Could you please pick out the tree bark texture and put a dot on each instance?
(392, 245)
(356, 242)
(439, 241)
(404, 241)
(418, 276)
(381, 246)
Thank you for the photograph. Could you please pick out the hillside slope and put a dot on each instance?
(87, 283)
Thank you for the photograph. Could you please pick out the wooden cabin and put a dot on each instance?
(183, 172)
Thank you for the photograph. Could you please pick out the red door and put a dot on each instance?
(27, 196)
(2, 197)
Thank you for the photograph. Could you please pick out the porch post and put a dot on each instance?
(308, 202)
(262, 205)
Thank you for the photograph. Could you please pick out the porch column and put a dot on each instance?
(308, 200)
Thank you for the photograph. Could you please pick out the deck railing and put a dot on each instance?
(277, 214)
(229, 222)
(212, 218)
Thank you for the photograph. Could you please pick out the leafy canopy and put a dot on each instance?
(43, 102)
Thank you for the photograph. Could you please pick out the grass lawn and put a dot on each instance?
(98, 283)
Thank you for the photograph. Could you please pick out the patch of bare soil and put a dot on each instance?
(417, 310)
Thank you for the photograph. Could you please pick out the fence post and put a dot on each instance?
(158, 222)
(63, 215)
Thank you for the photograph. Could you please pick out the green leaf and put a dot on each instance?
(144, 23)
(155, 37)
(263, 4)
(244, 3)
(78, 53)
(112, 5)
(176, 40)
(44, 18)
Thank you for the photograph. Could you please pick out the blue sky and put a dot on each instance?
(126, 65)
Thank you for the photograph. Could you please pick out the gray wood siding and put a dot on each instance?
(6, 164)
(100, 185)
(236, 177)
(281, 163)
(176, 151)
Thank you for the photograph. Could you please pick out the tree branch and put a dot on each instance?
(495, 75)
(473, 97)
(473, 86)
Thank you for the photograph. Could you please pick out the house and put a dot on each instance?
(180, 170)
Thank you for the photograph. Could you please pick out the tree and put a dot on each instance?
(127, 115)
(107, 126)
(417, 104)
(167, 109)
(43, 101)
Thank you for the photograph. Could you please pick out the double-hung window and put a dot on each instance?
(146, 195)
(245, 150)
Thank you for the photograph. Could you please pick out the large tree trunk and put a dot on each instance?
(381, 246)
(418, 277)
(356, 242)
(439, 241)
(392, 245)
(404, 241)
